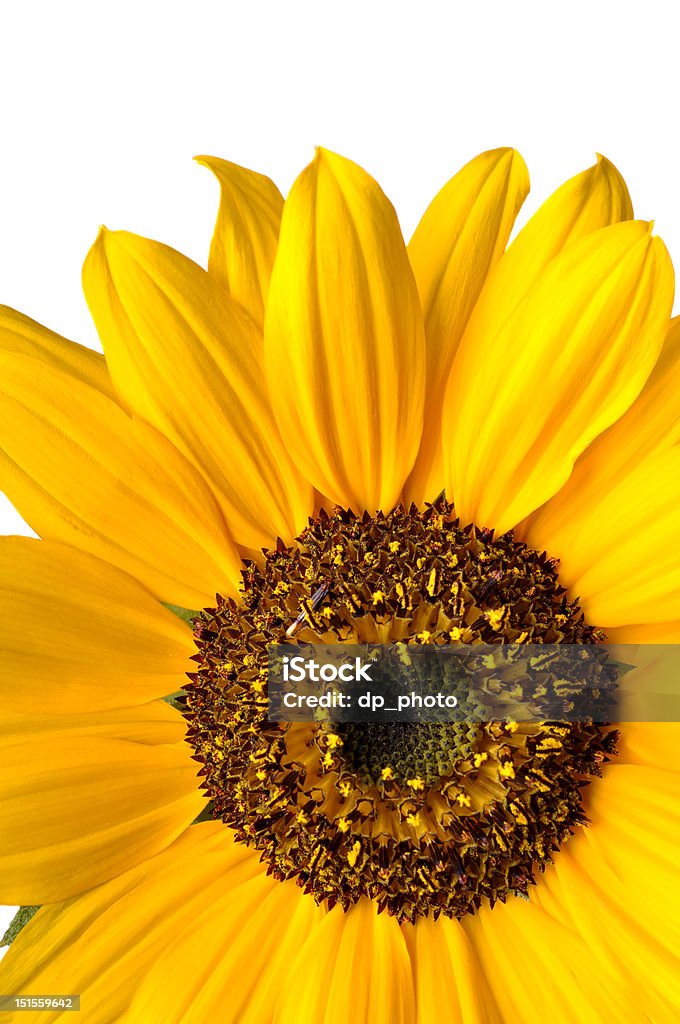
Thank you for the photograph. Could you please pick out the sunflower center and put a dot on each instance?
(412, 750)
(421, 817)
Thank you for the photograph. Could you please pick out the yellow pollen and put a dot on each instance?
(378, 596)
(416, 783)
(345, 788)
(455, 633)
(518, 814)
(511, 726)
(404, 656)
(479, 759)
(333, 740)
(343, 824)
(432, 582)
(495, 617)
(394, 546)
(386, 774)
(353, 854)
(549, 743)
(463, 800)
(506, 770)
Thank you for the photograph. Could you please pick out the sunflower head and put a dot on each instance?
(422, 818)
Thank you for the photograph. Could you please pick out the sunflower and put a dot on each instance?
(458, 441)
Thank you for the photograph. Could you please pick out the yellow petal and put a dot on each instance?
(186, 358)
(21, 335)
(650, 743)
(527, 397)
(233, 961)
(353, 967)
(539, 969)
(157, 722)
(103, 943)
(79, 470)
(78, 809)
(650, 424)
(462, 234)
(616, 881)
(77, 633)
(448, 975)
(344, 338)
(620, 553)
(593, 199)
(650, 690)
(646, 633)
(247, 229)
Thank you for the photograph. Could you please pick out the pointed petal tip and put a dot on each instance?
(102, 243)
(606, 171)
(214, 162)
(605, 166)
(604, 163)
(329, 156)
(98, 247)
(113, 240)
(508, 151)
(520, 164)
(106, 237)
(510, 156)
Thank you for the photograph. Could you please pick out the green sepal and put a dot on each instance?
(206, 814)
(175, 699)
(186, 614)
(21, 918)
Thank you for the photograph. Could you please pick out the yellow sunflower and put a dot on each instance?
(282, 439)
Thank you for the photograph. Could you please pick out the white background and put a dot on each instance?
(104, 104)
